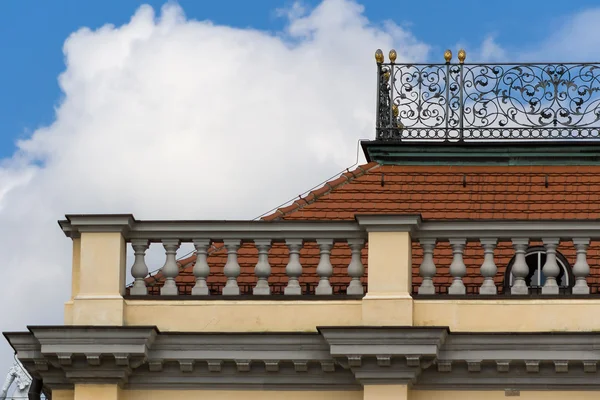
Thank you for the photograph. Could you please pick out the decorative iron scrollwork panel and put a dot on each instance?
(489, 101)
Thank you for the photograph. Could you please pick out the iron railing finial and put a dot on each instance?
(393, 56)
(448, 56)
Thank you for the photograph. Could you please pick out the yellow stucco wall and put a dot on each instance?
(97, 392)
(383, 392)
(98, 280)
(102, 263)
(386, 392)
(499, 395)
(302, 316)
(388, 301)
(76, 267)
(63, 395)
(527, 315)
(390, 264)
(249, 316)
(245, 395)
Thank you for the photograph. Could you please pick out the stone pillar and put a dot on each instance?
(293, 269)
(232, 268)
(520, 270)
(427, 267)
(263, 268)
(356, 268)
(324, 269)
(201, 268)
(75, 272)
(139, 269)
(581, 269)
(550, 268)
(385, 392)
(84, 391)
(388, 301)
(102, 249)
(170, 270)
(488, 268)
(457, 268)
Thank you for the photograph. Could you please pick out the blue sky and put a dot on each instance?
(32, 33)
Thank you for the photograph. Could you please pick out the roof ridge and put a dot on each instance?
(327, 188)
(345, 177)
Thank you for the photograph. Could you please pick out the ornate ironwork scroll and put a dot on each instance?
(488, 101)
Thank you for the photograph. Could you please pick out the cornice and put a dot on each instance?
(385, 354)
(334, 358)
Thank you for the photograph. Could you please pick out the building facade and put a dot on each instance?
(462, 261)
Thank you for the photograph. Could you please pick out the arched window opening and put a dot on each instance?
(536, 258)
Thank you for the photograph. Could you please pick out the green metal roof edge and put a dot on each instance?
(483, 153)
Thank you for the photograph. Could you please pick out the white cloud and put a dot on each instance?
(491, 51)
(166, 117)
(576, 38)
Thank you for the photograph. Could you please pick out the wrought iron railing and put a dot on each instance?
(459, 102)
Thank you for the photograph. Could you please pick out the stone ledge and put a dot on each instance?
(335, 358)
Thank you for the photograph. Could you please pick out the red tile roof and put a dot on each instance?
(436, 192)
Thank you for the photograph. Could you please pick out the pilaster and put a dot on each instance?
(84, 391)
(98, 271)
(63, 394)
(388, 301)
(385, 392)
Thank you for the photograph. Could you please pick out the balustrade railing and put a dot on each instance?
(461, 102)
(546, 258)
(320, 259)
(218, 246)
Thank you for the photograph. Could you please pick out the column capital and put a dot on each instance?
(262, 242)
(520, 242)
(552, 241)
(581, 241)
(488, 241)
(389, 223)
(75, 224)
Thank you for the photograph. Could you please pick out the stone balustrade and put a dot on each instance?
(224, 249)
(317, 259)
(290, 243)
(554, 250)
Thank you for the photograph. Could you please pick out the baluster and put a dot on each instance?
(293, 269)
(519, 270)
(262, 269)
(356, 268)
(581, 269)
(170, 270)
(427, 267)
(201, 268)
(324, 269)
(550, 268)
(458, 269)
(232, 268)
(139, 269)
(488, 268)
